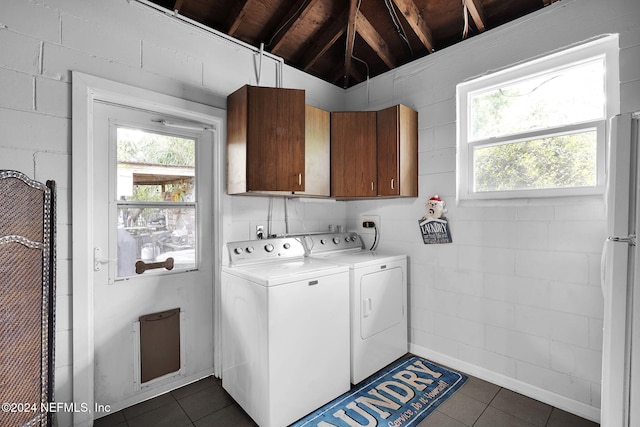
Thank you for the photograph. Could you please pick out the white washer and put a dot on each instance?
(378, 293)
(285, 330)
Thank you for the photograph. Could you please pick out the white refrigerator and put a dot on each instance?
(620, 279)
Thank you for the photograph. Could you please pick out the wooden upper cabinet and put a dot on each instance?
(317, 152)
(353, 154)
(265, 140)
(397, 131)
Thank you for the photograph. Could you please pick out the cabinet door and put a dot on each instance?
(317, 152)
(397, 132)
(275, 139)
(353, 154)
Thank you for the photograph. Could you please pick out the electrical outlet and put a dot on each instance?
(375, 219)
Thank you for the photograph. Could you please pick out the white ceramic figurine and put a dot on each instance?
(435, 208)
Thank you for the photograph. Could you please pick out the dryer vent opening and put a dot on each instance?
(159, 344)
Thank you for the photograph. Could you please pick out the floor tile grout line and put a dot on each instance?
(232, 403)
(523, 420)
(193, 421)
(486, 407)
(184, 410)
(126, 419)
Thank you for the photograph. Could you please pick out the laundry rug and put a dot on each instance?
(398, 396)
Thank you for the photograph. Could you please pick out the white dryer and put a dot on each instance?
(285, 330)
(378, 298)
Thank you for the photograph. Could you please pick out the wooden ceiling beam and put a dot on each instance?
(291, 21)
(477, 14)
(354, 74)
(351, 36)
(236, 15)
(177, 5)
(324, 41)
(413, 16)
(374, 40)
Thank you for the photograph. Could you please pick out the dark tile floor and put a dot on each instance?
(477, 403)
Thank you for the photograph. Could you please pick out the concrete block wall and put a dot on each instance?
(128, 42)
(516, 297)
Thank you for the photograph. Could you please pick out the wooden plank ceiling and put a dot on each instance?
(345, 41)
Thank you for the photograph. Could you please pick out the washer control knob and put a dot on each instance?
(238, 251)
(287, 245)
(250, 249)
(268, 247)
(336, 240)
(323, 241)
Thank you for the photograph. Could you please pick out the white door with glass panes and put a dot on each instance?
(152, 210)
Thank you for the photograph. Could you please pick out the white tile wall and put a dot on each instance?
(19, 52)
(520, 290)
(21, 160)
(101, 38)
(48, 95)
(549, 265)
(518, 345)
(43, 25)
(535, 264)
(488, 359)
(40, 44)
(569, 386)
(14, 85)
(577, 361)
(523, 274)
(25, 130)
(171, 63)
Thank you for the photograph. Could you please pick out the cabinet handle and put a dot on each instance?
(393, 184)
(300, 179)
(372, 186)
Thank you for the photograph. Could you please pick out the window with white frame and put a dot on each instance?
(156, 200)
(538, 129)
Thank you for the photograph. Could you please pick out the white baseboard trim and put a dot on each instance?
(561, 402)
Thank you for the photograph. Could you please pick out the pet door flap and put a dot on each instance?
(159, 344)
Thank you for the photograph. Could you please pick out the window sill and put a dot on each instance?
(534, 201)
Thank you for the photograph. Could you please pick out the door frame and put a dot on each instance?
(87, 89)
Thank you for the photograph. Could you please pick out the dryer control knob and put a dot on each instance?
(250, 249)
(238, 251)
(268, 247)
(323, 241)
(286, 245)
(336, 240)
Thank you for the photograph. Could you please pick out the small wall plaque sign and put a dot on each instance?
(434, 226)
